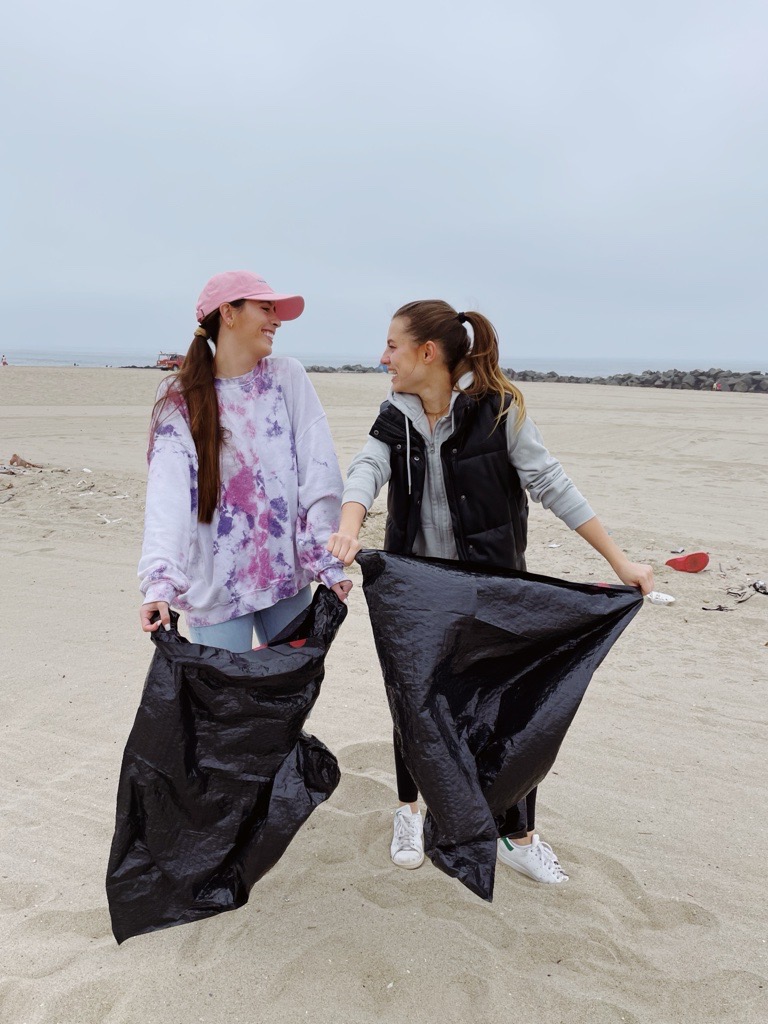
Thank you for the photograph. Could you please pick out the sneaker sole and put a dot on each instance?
(408, 867)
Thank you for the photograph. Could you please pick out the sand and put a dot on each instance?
(656, 805)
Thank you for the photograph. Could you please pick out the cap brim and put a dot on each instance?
(288, 307)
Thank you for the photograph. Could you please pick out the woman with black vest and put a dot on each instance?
(459, 453)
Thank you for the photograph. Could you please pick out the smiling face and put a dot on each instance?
(253, 326)
(402, 358)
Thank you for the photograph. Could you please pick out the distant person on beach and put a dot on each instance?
(459, 452)
(244, 486)
(4, 362)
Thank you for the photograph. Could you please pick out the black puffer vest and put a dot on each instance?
(488, 505)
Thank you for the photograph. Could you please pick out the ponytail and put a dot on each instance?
(193, 391)
(434, 320)
(488, 377)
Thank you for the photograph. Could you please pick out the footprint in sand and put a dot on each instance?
(637, 906)
(16, 896)
(42, 943)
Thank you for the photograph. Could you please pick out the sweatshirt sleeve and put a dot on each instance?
(542, 475)
(171, 509)
(319, 477)
(368, 472)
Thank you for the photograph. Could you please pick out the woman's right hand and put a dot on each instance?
(344, 546)
(148, 610)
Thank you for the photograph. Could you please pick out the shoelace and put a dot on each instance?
(548, 858)
(406, 831)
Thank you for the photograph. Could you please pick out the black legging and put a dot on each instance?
(408, 793)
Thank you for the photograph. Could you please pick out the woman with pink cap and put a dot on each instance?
(244, 487)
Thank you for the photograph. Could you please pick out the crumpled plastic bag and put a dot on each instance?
(217, 775)
(484, 671)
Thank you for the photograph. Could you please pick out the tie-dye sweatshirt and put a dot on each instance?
(279, 501)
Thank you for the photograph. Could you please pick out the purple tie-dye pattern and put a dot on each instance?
(225, 524)
(193, 494)
(268, 521)
(284, 590)
(264, 543)
(264, 382)
(280, 507)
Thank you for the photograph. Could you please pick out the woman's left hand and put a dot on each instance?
(341, 590)
(635, 574)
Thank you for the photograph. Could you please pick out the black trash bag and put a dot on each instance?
(217, 776)
(484, 670)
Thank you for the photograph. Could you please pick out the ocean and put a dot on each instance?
(588, 367)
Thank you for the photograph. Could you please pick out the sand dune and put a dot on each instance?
(656, 805)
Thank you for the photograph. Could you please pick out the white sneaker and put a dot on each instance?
(537, 860)
(407, 849)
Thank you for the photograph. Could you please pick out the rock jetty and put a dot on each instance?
(713, 379)
(683, 380)
(346, 368)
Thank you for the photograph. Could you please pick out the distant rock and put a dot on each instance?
(686, 380)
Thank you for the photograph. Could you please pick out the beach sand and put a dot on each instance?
(656, 805)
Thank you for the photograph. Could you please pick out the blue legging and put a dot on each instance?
(237, 635)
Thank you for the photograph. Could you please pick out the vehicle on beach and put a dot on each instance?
(169, 361)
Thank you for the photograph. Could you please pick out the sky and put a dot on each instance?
(593, 177)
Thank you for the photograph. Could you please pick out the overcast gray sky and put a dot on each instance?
(591, 176)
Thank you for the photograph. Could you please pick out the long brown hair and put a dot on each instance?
(193, 391)
(435, 320)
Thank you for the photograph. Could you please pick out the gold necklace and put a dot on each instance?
(440, 411)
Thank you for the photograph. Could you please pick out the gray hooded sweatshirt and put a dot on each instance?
(540, 473)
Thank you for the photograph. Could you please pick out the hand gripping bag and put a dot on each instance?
(217, 776)
(484, 671)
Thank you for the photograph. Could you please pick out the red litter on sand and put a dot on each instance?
(694, 562)
(291, 643)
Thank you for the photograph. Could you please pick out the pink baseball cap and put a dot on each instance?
(243, 284)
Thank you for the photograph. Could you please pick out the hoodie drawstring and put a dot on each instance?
(408, 449)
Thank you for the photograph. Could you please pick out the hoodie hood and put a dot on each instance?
(410, 405)
(413, 411)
